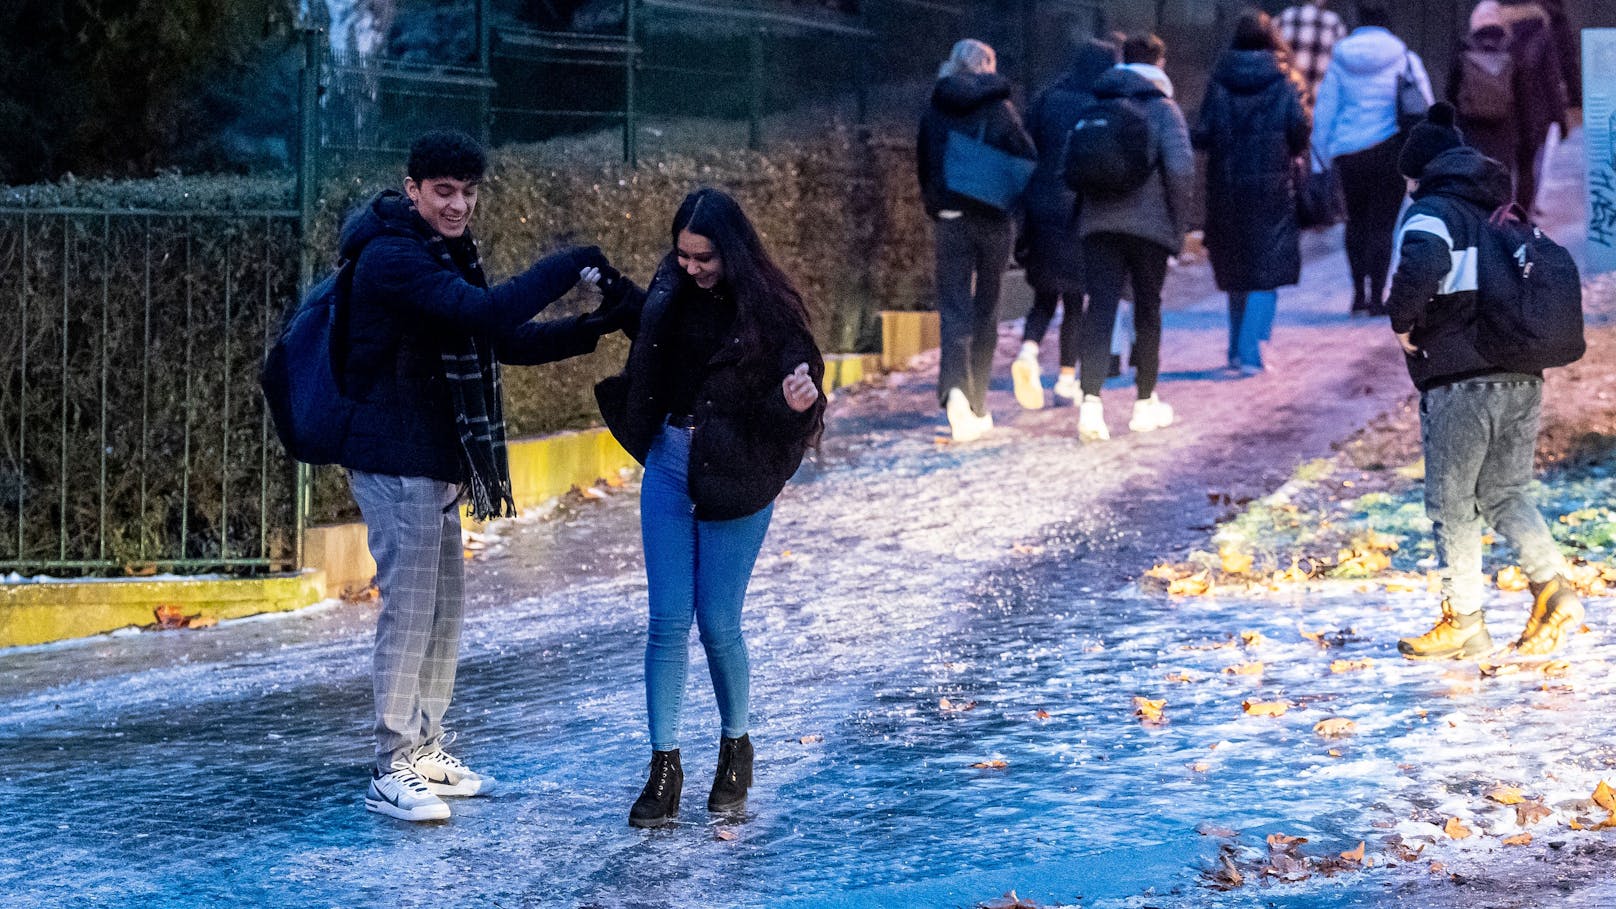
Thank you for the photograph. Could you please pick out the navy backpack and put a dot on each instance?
(1528, 296)
(302, 374)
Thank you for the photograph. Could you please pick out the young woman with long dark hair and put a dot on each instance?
(719, 400)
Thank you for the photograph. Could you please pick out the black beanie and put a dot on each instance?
(1429, 138)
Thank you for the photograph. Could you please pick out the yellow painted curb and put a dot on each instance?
(905, 334)
(58, 610)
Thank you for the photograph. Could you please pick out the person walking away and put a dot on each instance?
(1053, 249)
(1129, 231)
(1544, 102)
(973, 239)
(1478, 422)
(1355, 127)
(1252, 125)
(425, 334)
(1311, 31)
(719, 399)
(1485, 86)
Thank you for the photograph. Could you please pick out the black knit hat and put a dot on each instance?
(1429, 138)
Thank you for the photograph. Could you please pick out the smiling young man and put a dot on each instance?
(424, 336)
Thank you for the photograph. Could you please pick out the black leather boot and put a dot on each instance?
(659, 800)
(734, 775)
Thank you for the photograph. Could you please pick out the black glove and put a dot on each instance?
(585, 256)
(614, 313)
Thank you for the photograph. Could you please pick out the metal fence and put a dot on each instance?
(134, 331)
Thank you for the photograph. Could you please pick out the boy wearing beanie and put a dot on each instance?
(1478, 422)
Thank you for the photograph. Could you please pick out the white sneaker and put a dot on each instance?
(1091, 420)
(446, 774)
(1067, 391)
(962, 421)
(1150, 414)
(984, 423)
(401, 793)
(1024, 375)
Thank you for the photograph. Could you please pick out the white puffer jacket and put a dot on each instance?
(1357, 101)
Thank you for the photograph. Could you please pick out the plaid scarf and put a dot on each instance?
(472, 374)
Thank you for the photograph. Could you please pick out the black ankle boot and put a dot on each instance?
(659, 800)
(734, 775)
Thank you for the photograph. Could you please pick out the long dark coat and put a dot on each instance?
(1054, 256)
(748, 441)
(973, 104)
(1252, 125)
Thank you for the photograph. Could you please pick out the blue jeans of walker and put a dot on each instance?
(1479, 436)
(694, 570)
(1251, 321)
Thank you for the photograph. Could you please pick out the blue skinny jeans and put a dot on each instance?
(1251, 321)
(694, 570)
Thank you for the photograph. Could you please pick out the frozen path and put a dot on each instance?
(227, 767)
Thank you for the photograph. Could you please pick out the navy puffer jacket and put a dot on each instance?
(413, 291)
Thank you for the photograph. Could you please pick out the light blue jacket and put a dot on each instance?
(1357, 101)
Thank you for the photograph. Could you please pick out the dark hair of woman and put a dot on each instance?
(767, 304)
(1254, 30)
(1374, 14)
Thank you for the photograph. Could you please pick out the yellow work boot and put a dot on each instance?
(1556, 611)
(1454, 637)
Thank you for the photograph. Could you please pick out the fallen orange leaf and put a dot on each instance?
(1252, 638)
(1265, 708)
(1350, 665)
(1511, 578)
(1335, 727)
(1506, 795)
(1148, 710)
(1519, 839)
(1193, 586)
(1354, 855)
(1253, 668)
(1604, 797)
(1456, 829)
(995, 764)
(1284, 841)
(1530, 812)
(1234, 562)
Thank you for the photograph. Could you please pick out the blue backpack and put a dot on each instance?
(1528, 297)
(302, 374)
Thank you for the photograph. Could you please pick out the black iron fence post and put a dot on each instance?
(308, 189)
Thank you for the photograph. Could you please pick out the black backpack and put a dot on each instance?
(1108, 149)
(1528, 296)
(302, 374)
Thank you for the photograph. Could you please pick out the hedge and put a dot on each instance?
(841, 213)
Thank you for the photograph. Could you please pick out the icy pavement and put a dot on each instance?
(227, 767)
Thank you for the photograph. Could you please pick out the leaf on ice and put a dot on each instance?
(1604, 797)
(1531, 812)
(1252, 639)
(1354, 855)
(1149, 711)
(948, 706)
(811, 739)
(1402, 585)
(1334, 752)
(724, 834)
(1335, 727)
(1042, 715)
(1519, 839)
(1284, 841)
(1200, 767)
(354, 593)
(1265, 708)
(1008, 901)
(1254, 667)
(1195, 585)
(1164, 572)
(1511, 578)
(1456, 829)
(1506, 795)
(1234, 561)
(1182, 677)
(1557, 667)
(994, 764)
(1350, 665)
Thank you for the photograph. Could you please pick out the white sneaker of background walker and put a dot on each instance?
(1150, 414)
(446, 774)
(1067, 391)
(401, 793)
(1024, 375)
(1091, 420)
(962, 421)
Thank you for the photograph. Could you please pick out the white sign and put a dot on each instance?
(1599, 127)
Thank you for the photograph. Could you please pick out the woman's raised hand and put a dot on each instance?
(590, 276)
(799, 389)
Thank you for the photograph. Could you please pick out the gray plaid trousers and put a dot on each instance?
(415, 539)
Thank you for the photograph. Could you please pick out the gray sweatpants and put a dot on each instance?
(1479, 436)
(415, 539)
